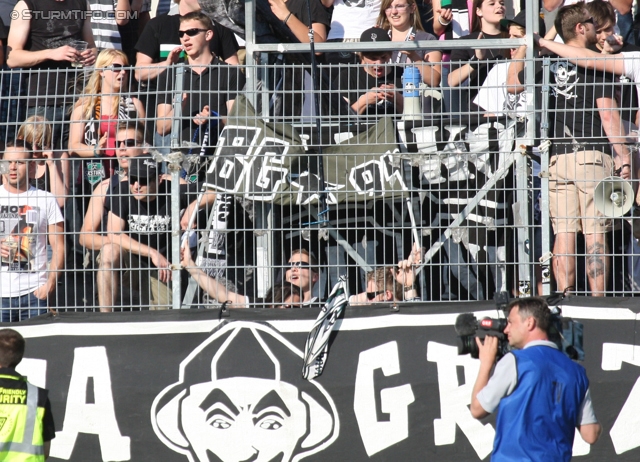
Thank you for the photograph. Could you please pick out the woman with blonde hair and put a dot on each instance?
(95, 116)
(402, 21)
(52, 171)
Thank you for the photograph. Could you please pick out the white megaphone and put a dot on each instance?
(613, 197)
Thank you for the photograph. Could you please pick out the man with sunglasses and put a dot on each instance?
(129, 143)
(389, 284)
(93, 235)
(209, 86)
(159, 47)
(139, 233)
(588, 146)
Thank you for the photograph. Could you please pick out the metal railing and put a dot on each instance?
(458, 184)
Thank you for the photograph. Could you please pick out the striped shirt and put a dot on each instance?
(103, 24)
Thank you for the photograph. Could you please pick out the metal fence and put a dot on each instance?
(466, 183)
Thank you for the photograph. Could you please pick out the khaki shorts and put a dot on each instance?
(572, 182)
(144, 281)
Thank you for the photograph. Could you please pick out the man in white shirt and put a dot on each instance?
(27, 216)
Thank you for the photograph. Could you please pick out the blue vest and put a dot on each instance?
(538, 420)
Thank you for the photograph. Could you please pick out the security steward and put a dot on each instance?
(26, 421)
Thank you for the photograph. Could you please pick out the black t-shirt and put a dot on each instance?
(4, 32)
(461, 56)
(163, 30)
(48, 426)
(353, 83)
(319, 14)
(213, 87)
(148, 222)
(573, 94)
(53, 29)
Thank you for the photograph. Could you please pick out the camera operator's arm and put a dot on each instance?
(590, 432)
(487, 356)
(487, 392)
(588, 425)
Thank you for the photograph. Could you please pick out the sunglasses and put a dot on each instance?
(190, 32)
(588, 21)
(129, 143)
(372, 295)
(140, 181)
(300, 264)
(115, 67)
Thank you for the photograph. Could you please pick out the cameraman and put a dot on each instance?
(543, 395)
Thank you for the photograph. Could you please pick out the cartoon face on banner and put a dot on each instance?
(232, 404)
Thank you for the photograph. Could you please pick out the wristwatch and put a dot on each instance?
(473, 62)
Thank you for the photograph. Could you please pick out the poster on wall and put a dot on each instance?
(194, 386)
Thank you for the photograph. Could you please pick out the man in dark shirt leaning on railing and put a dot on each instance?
(139, 224)
(209, 87)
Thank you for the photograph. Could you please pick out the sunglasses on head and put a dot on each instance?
(372, 295)
(190, 32)
(140, 181)
(300, 264)
(129, 143)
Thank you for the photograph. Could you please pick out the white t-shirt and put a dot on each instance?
(632, 67)
(26, 216)
(352, 17)
(493, 95)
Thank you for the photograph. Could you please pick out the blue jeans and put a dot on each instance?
(625, 24)
(163, 145)
(11, 107)
(23, 307)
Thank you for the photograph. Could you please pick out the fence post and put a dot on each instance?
(175, 163)
(544, 180)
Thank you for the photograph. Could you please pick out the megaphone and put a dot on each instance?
(411, 92)
(613, 197)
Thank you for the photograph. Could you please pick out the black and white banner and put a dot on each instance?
(188, 386)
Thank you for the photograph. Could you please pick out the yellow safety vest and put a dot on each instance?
(21, 423)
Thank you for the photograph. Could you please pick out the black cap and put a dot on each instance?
(375, 34)
(143, 167)
(521, 20)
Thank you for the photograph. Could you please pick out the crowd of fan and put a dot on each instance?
(77, 111)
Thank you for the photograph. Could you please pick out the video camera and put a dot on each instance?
(566, 333)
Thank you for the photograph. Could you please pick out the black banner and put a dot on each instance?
(190, 386)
